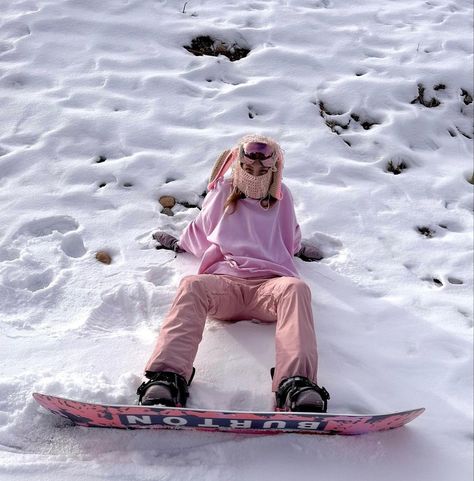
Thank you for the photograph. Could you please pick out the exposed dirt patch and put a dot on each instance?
(396, 168)
(205, 45)
(433, 102)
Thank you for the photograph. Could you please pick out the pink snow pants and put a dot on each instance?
(284, 300)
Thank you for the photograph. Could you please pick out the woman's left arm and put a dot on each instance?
(309, 253)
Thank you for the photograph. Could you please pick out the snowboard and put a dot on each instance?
(246, 422)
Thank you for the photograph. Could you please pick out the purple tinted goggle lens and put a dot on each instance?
(258, 151)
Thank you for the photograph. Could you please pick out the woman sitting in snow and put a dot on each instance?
(246, 236)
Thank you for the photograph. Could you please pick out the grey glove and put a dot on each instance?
(167, 241)
(309, 253)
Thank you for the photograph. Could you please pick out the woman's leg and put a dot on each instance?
(295, 342)
(181, 332)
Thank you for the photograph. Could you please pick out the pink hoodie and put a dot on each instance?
(251, 242)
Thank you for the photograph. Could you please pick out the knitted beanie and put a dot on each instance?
(228, 157)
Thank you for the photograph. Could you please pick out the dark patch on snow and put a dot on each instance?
(205, 45)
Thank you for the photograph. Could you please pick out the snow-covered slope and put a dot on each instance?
(103, 111)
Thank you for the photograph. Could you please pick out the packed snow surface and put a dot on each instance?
(103, 111)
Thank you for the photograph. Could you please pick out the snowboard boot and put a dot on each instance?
(165, 388)
(299, 394)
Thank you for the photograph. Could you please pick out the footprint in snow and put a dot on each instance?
(47, 225)
(71, 243)
(33, 270)
(30, 279)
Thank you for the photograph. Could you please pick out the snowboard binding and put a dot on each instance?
(164, 388)
(298, 393)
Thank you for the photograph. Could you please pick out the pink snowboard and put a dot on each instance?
(246, 422)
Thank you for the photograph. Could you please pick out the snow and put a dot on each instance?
(103, 111)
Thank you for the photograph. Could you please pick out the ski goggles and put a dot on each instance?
(258, 151)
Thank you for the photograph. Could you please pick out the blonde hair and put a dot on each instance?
(230, 204)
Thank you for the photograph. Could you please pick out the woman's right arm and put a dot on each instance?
(194, 239)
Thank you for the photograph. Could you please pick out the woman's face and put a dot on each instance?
(256, 169)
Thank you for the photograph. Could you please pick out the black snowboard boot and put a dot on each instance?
(165, 388)
(299, 394)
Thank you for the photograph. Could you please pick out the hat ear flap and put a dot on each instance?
(223, 162)
(275, 186)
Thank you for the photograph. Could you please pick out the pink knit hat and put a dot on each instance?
(228, 157)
